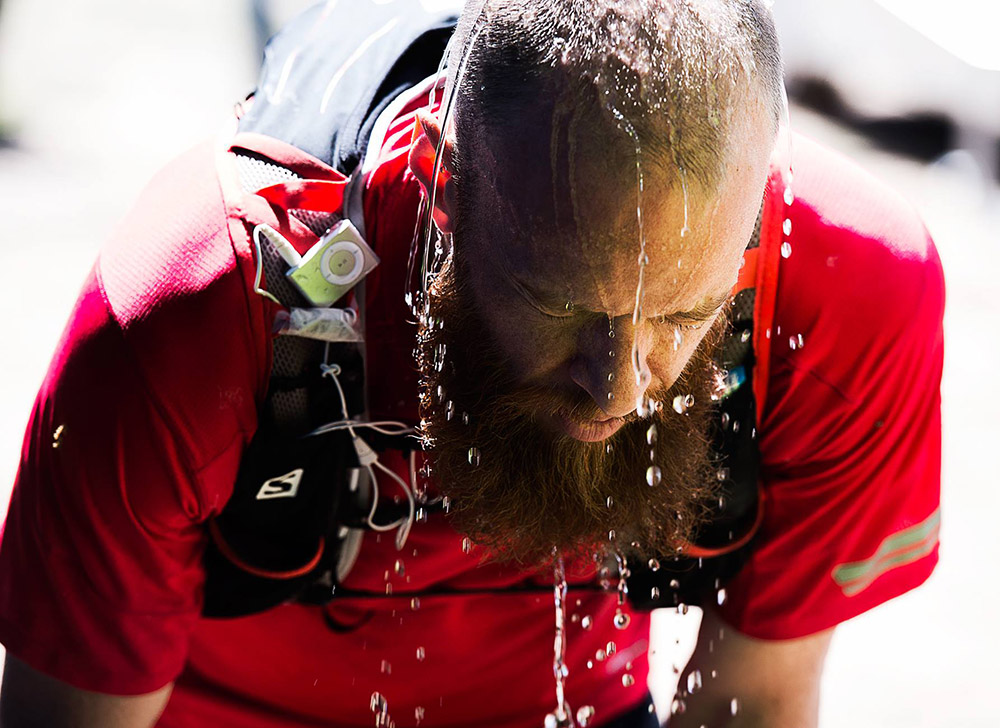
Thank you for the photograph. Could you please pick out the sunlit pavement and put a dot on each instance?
(103, 92)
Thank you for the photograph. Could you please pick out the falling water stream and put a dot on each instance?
(561, 717)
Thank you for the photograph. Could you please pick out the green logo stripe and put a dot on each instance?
(901, 548)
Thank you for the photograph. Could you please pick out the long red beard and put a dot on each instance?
(523, 492)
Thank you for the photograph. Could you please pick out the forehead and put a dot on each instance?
(594, 263)
(560, 210)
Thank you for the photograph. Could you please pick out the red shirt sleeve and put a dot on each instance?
(134, 441)
(851, 430)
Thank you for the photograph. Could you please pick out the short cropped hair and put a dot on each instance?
(667, 72)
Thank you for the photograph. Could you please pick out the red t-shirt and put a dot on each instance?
(137, 432)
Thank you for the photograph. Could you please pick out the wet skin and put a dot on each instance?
(553, 295)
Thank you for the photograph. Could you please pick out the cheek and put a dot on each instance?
(531, 348)
(668, 358)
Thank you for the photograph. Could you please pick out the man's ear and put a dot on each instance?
(426, 135)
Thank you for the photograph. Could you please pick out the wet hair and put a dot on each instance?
(666, 72)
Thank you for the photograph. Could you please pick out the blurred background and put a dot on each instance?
(96, 95)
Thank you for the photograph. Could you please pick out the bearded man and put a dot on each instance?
(593, 173)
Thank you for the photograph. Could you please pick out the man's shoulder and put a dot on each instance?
(842, 208)
(173, 244)
(860, 256)
(177, 284)
(862, 284)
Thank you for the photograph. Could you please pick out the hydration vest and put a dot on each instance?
(320, 92)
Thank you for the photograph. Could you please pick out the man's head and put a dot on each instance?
(562, 110)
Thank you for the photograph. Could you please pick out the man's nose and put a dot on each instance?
(603, 364)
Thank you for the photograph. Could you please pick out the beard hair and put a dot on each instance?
(524, 492)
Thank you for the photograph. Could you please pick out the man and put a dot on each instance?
(593, 206)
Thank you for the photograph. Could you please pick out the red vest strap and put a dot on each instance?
(307, 194)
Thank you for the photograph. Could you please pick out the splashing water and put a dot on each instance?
(380, 707)
(561, 717)
(684, 188)
(642, 374)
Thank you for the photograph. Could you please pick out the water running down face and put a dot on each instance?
(537, 307)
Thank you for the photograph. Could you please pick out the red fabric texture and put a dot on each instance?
(155, 385)
(851, 429)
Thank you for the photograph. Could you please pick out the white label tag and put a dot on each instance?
(284, 486)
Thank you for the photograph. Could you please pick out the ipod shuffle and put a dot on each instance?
(334, 265)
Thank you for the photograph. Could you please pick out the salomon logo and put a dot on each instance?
(284, 486)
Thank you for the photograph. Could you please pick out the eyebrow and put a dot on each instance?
(705, 310)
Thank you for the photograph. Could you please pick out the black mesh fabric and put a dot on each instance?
(290, 354)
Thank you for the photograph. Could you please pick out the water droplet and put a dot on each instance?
(736, 426)
(677, 707)
(654, 593)
(584, 715)
(610, 501)
(694, 681)
(378, 703)
(386, 667)
(587, 622)
(611, 376)
(399, 568)
(654, 565)
(789, 197)
(611, 535)
(786, 226)
(678, 404)
(474, 456)
(418, 713)
(682, 608)
(611, 354)
(802, 342)
(57, 435)
(688, 401)
(725, 420)
(609, 448)
(721, 597)
(569, 306)
(653, 475)
(449, 410)
(622, 620)
(415, 603)
(792, 343)
(465, 418)
(628, 680)
(590, 664)
(745, 335)
(674, 584)
(611, 396)
(388, 589)
(734, 706)
(722, 474)
(466, 545)
(421, 654)
(651, 435)
(600, 656)
(610, 648)
(786, 249)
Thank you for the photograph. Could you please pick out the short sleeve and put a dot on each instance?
(851, 430)
(133, 442)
